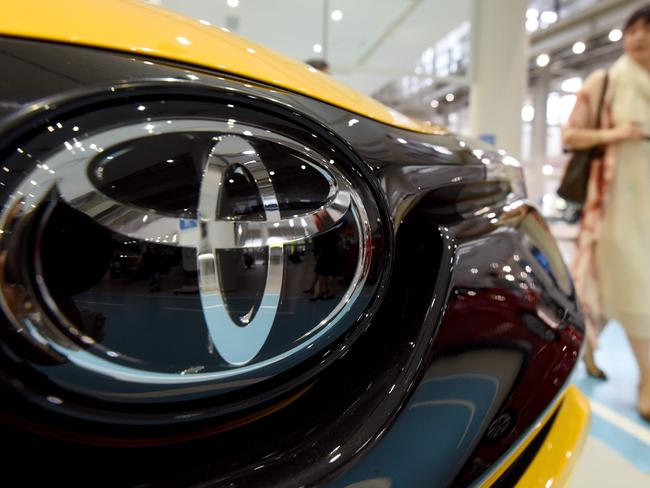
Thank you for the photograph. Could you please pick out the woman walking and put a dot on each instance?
(612, 264)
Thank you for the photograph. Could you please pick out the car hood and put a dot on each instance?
(133, 26)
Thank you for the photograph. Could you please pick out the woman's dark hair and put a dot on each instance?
(319, 64)
(642, 13)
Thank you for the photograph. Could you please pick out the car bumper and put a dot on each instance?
(558, 453)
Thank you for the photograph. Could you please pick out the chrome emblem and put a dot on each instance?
(238, 341)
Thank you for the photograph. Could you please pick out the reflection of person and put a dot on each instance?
(319, 64)
(612, 264)
(153, 264)
(327, 263)
(248, 260)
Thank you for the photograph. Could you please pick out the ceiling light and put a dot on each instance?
(435, 103)
(532, 13)
(579, 47)
(337, 15)
(527, 113)
(532, 25)
(548, 17)
(615, 35)
(233, 3)
(547, 169)
(318, 48)
(543, 60)
(450, 97)
(572, 85)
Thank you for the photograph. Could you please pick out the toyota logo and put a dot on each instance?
(237, 337)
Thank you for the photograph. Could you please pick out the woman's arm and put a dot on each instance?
(577, 138)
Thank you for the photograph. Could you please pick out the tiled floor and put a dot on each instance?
(617, 452)
(619, 438)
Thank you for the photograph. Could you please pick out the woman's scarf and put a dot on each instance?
(627, 99)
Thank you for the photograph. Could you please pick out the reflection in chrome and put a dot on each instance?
(239, 343)
(67, 175)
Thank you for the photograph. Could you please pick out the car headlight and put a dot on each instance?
(499, 166)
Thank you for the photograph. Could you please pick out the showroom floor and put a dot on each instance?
(617, 451)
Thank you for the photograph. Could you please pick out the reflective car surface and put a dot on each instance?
(210, 276)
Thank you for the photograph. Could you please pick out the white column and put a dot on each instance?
(499, 56)
(535, 179)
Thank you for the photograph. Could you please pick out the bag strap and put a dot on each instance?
(602, 100)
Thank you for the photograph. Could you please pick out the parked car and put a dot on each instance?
(428, 341)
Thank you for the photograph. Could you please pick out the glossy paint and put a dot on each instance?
(468, 334)
(561, 449)
(131, 26)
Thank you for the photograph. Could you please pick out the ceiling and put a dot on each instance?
(376, 40)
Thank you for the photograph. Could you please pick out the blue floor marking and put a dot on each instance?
(618, 393)
(633, 449)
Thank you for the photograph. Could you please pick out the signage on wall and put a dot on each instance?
(489, 138)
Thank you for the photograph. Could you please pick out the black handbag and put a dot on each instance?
(573, 187)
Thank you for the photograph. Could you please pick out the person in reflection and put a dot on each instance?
(153, 265)
(249, 260)
(327, 263)
(612, 263)
(319, 64)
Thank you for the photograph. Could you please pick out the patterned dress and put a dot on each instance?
(611, 267)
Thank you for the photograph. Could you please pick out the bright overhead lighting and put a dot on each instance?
(318, 48)
(435, 103)
(548, 17)
(450, 97)
(547, 169)
(572, 85)
(532, 25)
(532, 13)
(579, 47)
(527, 113)
(543, 60)
(233, 3)
(615, 35)
(337, 15)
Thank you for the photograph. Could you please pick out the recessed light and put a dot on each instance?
(543, 60)
(579, 47)
(615, 35)
(548, 17)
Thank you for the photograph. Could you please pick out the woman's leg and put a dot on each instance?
(590, 361)
(641, 348)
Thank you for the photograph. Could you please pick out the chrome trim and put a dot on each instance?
(66, 171)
